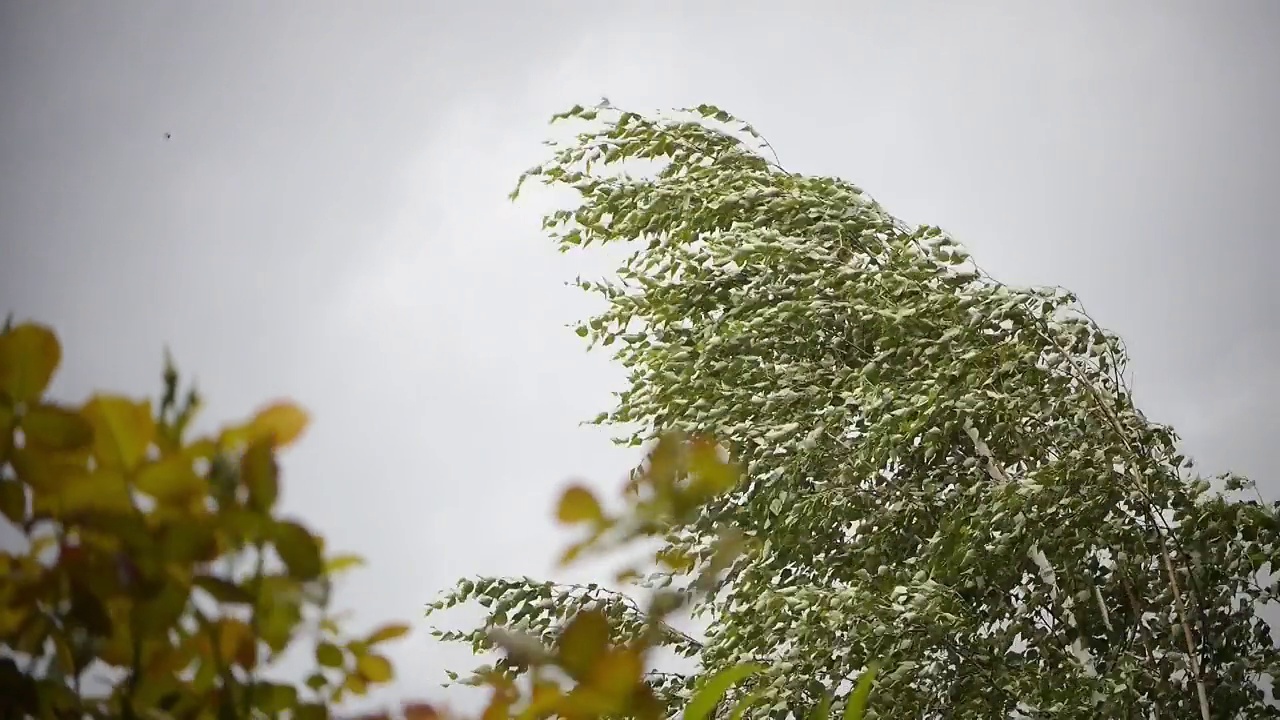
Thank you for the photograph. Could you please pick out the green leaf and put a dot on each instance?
(260, 475)
(329, 655)
(751, 698)
(13, 500)
(710, 693)
(223, 590)
(822, 711)
(298, 549)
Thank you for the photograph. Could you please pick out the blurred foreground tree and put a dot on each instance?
(941, 470)
(156, 566)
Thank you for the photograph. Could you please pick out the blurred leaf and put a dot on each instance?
(104, 491)
(712, 476)
(311, 711)
(857, 706)
(7, 423)
(341, 563)
(171, 480)
(616, 674)
(236, 642)
(259, 472)
(522, 648)
(279, 619)
(823, 709)
(277, 425)
(713, 690)
(193, 540)
(741, 706)
(355, 684)
(33, 633)
(583, 642)
(56, 428)
(387, 632)
(224, 591)
(419, 711)
(29, 356)
(13, 500)
(329, 655)
(298, 549)
(375, 668)
(122, 430)
(88, 611)
(578, 504)
(274, 698)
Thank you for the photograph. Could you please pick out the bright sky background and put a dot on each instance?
(329, 221)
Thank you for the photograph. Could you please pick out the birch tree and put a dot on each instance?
(942, 472)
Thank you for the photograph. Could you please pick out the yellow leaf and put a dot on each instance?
(712, 476)
(375, 668)
(56, 428)
(29, 355)
(578, 504)
(386, 633)
(342, 563)
(283, 422)
(122, 430)
(356, 684)
(616, 673)
(583, 642)
(100, 491)
(171, 480)
(544, 701)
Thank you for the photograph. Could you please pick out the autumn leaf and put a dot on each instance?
(282, 422)
(29, 356)
(577, 505)
(387, 632)
(171, 480)
(375, 668)
(583, 642)
(122, 430)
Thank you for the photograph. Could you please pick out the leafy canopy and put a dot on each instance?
(941, 470)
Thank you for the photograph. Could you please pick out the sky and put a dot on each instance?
(328, 220)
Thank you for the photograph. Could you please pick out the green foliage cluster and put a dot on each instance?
(940, 470)
(158, 563)
(594, 665)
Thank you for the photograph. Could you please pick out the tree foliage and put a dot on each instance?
(157, 568)
(941, 471)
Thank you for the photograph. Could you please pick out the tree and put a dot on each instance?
(942, 471)
(157, 566)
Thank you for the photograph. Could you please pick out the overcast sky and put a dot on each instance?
(328, 221)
